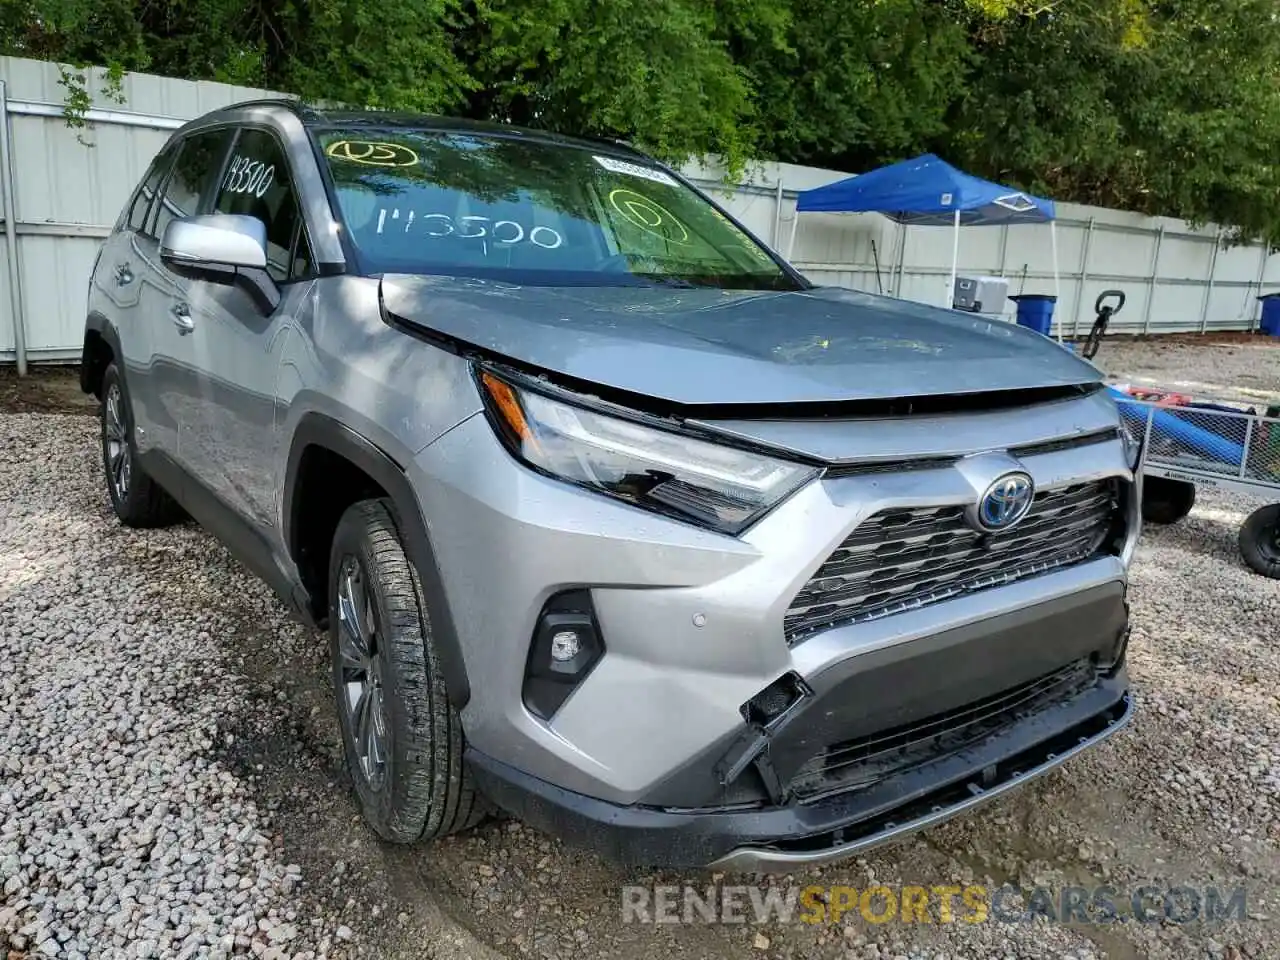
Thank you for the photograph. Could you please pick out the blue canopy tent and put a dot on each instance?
(929, 191)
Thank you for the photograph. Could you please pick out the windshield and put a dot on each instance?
(461, 204)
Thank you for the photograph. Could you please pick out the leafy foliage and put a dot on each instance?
(1163, 106)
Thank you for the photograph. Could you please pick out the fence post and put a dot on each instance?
(1208, 288)
(1082, 279)
(1151, 280)
(1262, 275)
(777, 215)
(10, 212)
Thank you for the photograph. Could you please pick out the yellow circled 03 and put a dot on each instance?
(649, 216)
(372, 153)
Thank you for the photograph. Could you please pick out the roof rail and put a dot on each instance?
(612, 142)
(288, 103)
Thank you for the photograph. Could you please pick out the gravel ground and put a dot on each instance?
(171, 784)
(1225, 366)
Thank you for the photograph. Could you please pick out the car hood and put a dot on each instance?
(696, 346)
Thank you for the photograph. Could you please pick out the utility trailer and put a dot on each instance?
(1189, 444)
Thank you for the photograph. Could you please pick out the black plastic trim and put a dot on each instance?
(315, 429)
(655, 837)
(246, 543)
(97, 323)
(546, 689)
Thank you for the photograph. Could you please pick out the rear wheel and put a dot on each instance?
(403, 738)
(1260, 541)
(138, 501)
(1165, 500)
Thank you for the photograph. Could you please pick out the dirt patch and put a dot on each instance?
(44, 390)
(1230, 338)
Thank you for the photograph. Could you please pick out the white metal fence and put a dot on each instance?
(62, 189)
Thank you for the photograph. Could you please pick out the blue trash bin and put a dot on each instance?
(1270, 322)
(1035, 311)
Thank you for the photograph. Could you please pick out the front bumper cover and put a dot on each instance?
(783, 838)
(697, 818)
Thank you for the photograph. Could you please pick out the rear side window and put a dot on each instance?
(190, 186)
(257, 183)
(141, 204)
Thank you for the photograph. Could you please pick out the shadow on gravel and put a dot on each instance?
(500, 890)
(1213, 537)
(283, 741)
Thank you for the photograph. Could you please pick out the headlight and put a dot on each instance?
(716, 486)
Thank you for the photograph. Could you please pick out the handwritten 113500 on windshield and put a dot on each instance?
(474, 227)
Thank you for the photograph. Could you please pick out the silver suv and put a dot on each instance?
(616, 523)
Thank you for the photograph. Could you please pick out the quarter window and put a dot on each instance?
(257, 184)
(141, 204)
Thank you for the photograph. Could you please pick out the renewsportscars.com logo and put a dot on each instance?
(944, 903)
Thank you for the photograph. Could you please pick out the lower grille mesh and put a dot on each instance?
(900, 560)
(857, 764)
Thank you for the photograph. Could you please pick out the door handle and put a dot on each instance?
(124, 275)
(181, 315)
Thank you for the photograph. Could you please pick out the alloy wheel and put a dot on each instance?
(360, 673)
(115, 438)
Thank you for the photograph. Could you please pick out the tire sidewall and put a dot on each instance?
(1257, 526)
(1166, 501)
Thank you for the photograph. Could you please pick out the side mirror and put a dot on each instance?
(220, 239)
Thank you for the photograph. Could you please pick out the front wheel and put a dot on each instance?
(1260, 541)
(402, 737)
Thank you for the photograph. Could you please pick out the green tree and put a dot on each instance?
(1166, 108)
(857, 84)
(1163, 106)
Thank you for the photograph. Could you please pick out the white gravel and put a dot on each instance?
(121, 834)
(169, 784)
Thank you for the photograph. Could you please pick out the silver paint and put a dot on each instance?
(692, 618)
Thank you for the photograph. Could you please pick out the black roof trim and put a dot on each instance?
(315, 116)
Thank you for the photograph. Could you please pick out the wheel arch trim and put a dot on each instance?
(319, 430)
(96, 323)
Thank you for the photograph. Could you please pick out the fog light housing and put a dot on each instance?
(566, 646)
(775, 700)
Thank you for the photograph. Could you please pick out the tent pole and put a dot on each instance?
(1057, 286)
(791, 240)
(902, 254)
(955, 257)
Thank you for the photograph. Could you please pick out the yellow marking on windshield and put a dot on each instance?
(372, 153)
(650, 217)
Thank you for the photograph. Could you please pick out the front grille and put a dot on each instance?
(858, 764)
(900, 560)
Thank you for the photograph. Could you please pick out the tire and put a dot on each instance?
(1260, 541)
(387, 679)
(1166, 501)
(136, 499)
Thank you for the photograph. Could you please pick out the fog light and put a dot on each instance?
(566, 646)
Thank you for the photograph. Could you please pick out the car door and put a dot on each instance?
(240, 333)
(119, 279)
(164, 299)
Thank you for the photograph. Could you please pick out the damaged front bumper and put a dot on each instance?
(784, 838)
(875, 750)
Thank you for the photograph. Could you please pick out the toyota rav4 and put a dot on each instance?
(614, 521)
